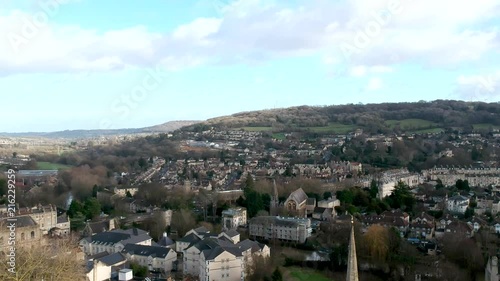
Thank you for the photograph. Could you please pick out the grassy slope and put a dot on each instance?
(300, 274)
(484, 126)
(51, 166)
(410, 124)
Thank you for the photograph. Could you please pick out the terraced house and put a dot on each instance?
(232, 218)
(114, 241)
(281, 228)
(155, 258)
(219, 257)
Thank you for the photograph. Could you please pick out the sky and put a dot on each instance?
(108, 64)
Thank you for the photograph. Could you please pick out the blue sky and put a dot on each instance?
(89, 64)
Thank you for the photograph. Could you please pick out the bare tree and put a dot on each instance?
(58, 261)
(259, 269)
(377, 240)
(183, 221)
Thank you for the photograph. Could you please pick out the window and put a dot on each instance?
(32, 235)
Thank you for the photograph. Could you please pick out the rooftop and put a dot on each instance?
(146, 251)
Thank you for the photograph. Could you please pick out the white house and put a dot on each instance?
(153, 257)
(457, 204)
(219, 257)
(114, 241)
(122, 190)
(101, 267)
(232, 218)
(281, 228)
(221, 264)
(491, 271)
(496, 228)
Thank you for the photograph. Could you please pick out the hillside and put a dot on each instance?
(74, 134)
(416, 117)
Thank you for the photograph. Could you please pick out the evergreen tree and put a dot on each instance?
(277, 276)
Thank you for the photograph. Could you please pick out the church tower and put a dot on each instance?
(275, 201)
(352, 260)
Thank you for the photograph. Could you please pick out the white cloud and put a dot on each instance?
(197, 31)
(374, 84)
(425, 31)
(358, 71)
(381, 69)
(363, 70)
(485, 87)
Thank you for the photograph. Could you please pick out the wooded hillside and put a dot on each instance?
(375, 118)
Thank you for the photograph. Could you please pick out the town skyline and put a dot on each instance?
(191, 61)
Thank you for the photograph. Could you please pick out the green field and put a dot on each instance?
(334, 128)
(279, 136)
(485, 126)
(410, 124)
(300, 274)
(51, 166)
(428, 131)
(257, 129)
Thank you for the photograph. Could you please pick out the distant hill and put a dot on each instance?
(75, 134)
(416, 117)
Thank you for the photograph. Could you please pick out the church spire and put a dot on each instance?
(275, 189)
(352, 261)
(274, 200)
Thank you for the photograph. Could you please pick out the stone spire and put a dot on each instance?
(274, 200)
(352, 260)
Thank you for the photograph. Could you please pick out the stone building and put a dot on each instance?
(281, 228)
(26, 233)
(491, 271)
(296, 203)
(234, 217)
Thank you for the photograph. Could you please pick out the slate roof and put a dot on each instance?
(395, 213)
(211, 254)
(320, 210)
(113, 259)
(383, 220)
(232, 233)
(423, 216)
(478, 220)
(459, 227)
(129, 236)
(62, 219)
(109, 237)
(201, 230)
(298, 196)
(190, 238)
(98, 255)
(165, 241)
(208, 243)
(98, 227)
(146, 251)
(458, 198)
(311, 201)
(22, 221)
(268, 220)
(250, 244)
(422, 225)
